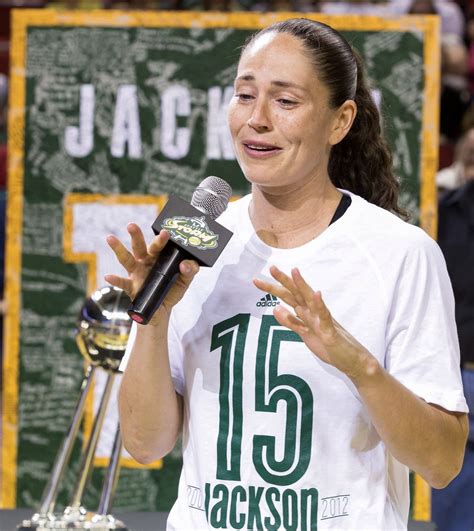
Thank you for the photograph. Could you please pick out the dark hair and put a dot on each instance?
(362, 161)
(422, 7)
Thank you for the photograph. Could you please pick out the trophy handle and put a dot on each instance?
(111, 478)
(85, 466)
(50, 493)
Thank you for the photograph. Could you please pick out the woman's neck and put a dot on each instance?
(287, 218)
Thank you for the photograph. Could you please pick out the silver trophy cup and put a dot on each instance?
(103, 329)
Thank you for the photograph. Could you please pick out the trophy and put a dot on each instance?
(103, 328)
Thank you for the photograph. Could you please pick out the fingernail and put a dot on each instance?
(187, 268)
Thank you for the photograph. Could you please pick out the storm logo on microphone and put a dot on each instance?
(192, 232)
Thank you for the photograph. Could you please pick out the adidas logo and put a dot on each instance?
(268, 300)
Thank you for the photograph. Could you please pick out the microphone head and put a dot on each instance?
(211, 196)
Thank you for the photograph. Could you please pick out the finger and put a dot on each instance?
(124, 256)
(139, 247)
(287, 282)
(304, 289)
(289, 320)
(119, 282)
(158, 243)
(279, 291)
(188, 268)
(307, 317)
(325, 316)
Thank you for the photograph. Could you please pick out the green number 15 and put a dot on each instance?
(271, 387)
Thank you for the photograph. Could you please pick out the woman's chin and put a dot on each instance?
(261, 179)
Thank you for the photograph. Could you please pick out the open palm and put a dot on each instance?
(313, 322)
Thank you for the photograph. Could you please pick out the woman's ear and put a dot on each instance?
(343, 120)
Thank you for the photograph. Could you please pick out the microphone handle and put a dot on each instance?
(160, 279)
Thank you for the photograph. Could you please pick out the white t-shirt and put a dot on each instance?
(274, 438)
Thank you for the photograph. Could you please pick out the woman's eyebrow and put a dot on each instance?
(277, 82)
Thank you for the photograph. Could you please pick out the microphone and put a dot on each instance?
(194, 235)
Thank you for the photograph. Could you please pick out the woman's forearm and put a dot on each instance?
(425, 437)
(150, 410)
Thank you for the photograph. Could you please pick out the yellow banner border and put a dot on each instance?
(14, 221)
(23, 18)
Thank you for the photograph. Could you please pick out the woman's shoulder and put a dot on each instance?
(379, 228)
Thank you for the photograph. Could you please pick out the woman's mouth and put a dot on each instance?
(260, 149)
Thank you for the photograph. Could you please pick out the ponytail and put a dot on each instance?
(362, 161)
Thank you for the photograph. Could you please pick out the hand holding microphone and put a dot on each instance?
(139, 261)
(160, 273)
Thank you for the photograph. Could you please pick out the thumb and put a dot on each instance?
(188, 270)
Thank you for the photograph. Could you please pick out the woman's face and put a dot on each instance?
(279, 117)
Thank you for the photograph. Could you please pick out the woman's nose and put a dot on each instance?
(259, 119)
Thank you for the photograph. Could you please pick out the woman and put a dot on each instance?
(305, 408)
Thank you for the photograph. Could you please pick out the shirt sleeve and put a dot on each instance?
(175, 353)
(422, 344)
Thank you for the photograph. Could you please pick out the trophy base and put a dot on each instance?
(37, 522)
(28, 526)
(104, 522)
(94, 522)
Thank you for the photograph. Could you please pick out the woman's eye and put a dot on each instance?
(244, 97)
(287, 102)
